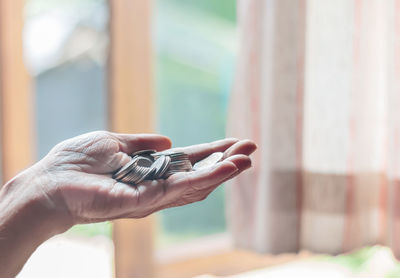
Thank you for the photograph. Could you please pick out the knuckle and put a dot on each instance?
(101, 134)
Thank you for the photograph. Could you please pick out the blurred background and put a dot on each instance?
(194, 54)
(66, 52)
(314, 83)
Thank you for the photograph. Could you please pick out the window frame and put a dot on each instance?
(16, 106)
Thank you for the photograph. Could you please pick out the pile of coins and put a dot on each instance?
(152, 165)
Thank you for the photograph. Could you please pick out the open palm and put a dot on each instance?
(79, 174)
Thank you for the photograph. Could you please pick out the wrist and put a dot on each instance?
(25, 209)
(25, 222)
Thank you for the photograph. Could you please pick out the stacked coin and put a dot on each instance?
(180, 162)
(152, 165)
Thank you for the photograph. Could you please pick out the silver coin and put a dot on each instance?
(161, 165)
(131, 176)
(165, 167)
(125, 170)
(172, 154)
(145, 172)
(148, 165)
(144, 161)
(167, 152)
(128, 178)
(144, 152)
(150, 175)
(208, 161)
(134, 176)
(180, 167)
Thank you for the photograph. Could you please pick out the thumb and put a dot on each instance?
(130, 143)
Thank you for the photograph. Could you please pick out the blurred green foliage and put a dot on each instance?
(360, 261)
(356, 260)
(195, 46)
(224, 9)
(89, 230)
(35, 7)
(394, 273)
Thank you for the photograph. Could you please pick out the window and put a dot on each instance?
(66, 53)
(66, 47)
(195, 53)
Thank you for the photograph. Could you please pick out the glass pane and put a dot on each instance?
(66, 53)
(196, 45)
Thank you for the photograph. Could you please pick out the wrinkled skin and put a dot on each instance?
(79, 173)
(73, 184)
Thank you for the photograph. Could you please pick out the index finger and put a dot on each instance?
(198, 152)
(130, 143)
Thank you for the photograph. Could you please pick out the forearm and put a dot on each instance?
(25, 223)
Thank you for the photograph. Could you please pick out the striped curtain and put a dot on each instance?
(318, 88)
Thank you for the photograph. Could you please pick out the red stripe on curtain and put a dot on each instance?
(396, 217)
(396, 183)
(255, 85)
(300, 111)
(383, 193)
(349, 212)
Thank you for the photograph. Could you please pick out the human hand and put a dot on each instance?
(74, 179)
(73, 184)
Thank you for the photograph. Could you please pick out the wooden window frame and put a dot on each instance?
(131, 110)
(16, 105)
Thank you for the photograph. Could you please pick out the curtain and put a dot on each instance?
(318, 88)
